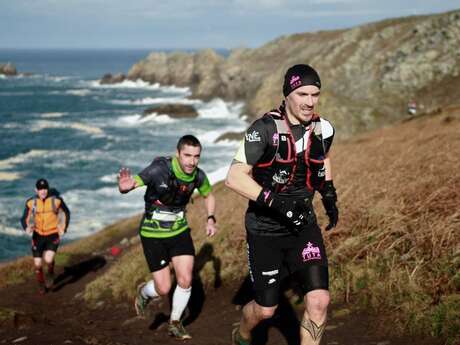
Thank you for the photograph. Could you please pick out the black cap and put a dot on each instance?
(42, 184)
(300, 75)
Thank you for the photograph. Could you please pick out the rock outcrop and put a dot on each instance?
(8, 69)
(368, 72)
(173, 110)
(198, 71)
(112, 79)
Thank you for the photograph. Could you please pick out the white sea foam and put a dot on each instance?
(47, 77)
(94, 209)
(210, 137)
(64, 158)
(12, 231)
(126, 84)
(9, 176)
(131, 120)
(158, 100)
(12, 125)
(140, 84)
(78, 92)
(2, 76)
(136, 119)
(57, 79)
(163, 118)
(21, 158)
(44, 124)
(217, 108)
(109, 178)
(176, 89)
(53, 115)
(219, 174)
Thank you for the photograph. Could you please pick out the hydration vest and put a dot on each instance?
(178, 193)
(166, 215)
(277, 167)
(44, 214)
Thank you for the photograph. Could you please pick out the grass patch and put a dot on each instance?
(6, 314)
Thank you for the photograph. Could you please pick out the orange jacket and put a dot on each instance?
(44, 214)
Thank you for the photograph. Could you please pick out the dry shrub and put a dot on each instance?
(397, 245)
(120, 280)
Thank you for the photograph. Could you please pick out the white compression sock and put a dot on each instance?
(148, 291)
(179, 302)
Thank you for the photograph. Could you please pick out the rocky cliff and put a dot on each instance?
(369, 73)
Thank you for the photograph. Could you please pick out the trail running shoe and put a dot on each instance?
(42, 289)
(140, 303)
(49, 280)
(237, 339)
(177, 330)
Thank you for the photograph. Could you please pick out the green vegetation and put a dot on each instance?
(6, 314)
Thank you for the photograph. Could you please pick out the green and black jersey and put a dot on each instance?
(169, 189)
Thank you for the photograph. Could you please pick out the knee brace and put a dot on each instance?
(267, 297)
(313, 277)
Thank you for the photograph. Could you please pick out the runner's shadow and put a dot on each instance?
(195, 305)
(285, 318)
(74, 273)
(198, 296)
(160, 318)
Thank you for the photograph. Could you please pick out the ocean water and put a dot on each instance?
(61, 124)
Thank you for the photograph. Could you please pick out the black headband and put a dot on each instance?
(300, 75)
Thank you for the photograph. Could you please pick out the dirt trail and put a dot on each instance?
(61, 317)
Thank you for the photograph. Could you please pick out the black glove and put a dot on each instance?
(329, 202)
(296, 212)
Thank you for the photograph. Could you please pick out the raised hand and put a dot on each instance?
(125, 180)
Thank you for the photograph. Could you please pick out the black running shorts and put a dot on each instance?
(159, 251)
(41, 244)
(271, 259)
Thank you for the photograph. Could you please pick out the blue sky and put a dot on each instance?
(169, 24)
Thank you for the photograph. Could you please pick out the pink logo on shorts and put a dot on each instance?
(311, 252)
(295, 81)
(276, 139)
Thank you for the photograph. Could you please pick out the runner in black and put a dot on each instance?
(164, 231)
(281, 162)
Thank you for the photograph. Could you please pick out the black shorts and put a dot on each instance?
(159, 251)
(271, 259)
(42, 243)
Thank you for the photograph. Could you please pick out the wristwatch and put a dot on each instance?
(213, 218)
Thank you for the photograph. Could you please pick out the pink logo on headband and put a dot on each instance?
(295, 81)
